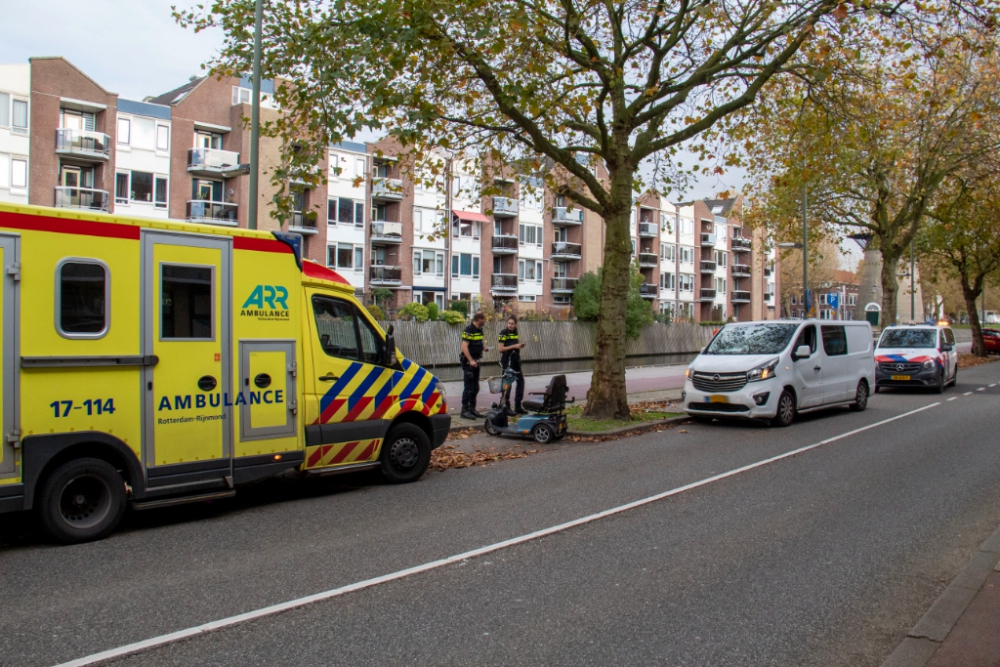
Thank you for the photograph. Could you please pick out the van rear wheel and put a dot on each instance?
(82, 500)
(786, 410)
(405, 455)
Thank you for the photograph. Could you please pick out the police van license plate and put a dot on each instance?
(716, 398)
(900, 377)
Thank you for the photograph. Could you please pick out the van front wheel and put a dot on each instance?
(786, 410)
(860, 397)
(82, 500)
(405, 455)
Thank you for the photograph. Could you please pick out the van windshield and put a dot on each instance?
(752, 339)
(909, 338)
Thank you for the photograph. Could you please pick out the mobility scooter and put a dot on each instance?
(546, 420)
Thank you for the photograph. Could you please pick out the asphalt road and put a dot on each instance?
(826, 557)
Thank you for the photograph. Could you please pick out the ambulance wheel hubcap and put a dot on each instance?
(404, 453)
(85, 501)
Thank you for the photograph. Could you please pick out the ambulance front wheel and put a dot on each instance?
(82, 500)
(406, 453)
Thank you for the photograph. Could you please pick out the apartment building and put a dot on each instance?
(15, 96)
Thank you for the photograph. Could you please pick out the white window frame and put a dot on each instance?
(238, 94)
(13, 186)
(14, 99)
(156, 138)
(127, 133)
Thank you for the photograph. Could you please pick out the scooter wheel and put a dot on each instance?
(542, 433)
(490, 428)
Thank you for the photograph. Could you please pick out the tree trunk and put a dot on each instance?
(970, 294)
(607, 398)
(890, 287)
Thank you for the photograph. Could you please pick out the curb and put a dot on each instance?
(926, 636)
(586, 434)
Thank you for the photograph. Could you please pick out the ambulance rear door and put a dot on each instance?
(9, 371)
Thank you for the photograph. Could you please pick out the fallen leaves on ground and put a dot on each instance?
(446, 457)
(967, 360)
(463, 433)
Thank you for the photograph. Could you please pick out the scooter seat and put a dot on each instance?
(533, 405)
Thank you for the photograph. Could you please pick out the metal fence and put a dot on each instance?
(551, 346)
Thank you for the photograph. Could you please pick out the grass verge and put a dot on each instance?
(641, 412)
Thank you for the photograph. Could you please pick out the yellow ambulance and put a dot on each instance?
(151, 363)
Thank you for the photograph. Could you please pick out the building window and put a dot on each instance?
(345, 256)
(466, 229)
(428, 262)
(162, 138)
(686, 282)
(668, 281)
(18, 174)
(667, 251)
(241, 95)
(4, 110)
(687, 255)
(19, 122)
(427, 221)
(530, 298)
(529, 270)
(344, 211)
(124, 131)
(465, 265)
(82, 301)
(530, 235)
(160, 192)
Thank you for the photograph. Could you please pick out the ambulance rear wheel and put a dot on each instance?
(82, 500)
(406, 453)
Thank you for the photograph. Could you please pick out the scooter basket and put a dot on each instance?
(495, 384)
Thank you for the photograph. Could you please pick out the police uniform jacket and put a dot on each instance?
(472, 335)
(510, 358)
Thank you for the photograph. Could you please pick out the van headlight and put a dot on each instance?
(688, 372)
(929, 364)
(763, 372)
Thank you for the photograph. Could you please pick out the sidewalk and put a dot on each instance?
(962, 628)
(641, 380)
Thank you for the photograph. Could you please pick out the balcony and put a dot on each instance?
(387, 190)
(83, 145)
(741, 244)
(505, 244)
(214, 212)
(504, 207)
(564, 216)
(385, 276)
(563, 285)
(707, 295)
(741, 296)
(741, 271)
(303, 223)
(87, 199)
(648, 230)
(213, 162)
(708, 239)
(708, 267)
(649, 260)
(563, 250)
(387, 232)
(503, 283)
(649, 291)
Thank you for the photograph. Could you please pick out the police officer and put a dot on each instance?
(510, 359)
(472, 353)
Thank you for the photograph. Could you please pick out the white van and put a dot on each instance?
(778, 368)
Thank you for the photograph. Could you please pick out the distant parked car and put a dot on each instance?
(991, 337)
(916, 356)
(775, 369)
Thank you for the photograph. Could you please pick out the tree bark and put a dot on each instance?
(890, 287)
(970, 293)
(607, 398)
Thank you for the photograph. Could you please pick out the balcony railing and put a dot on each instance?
(741, 244)
(387, 189)
(563, 285)
(215, 212)
(564, 216)
(564, 250)
(385, 275)
(708, 267)
(707, 294)
(83, 198)
(213, 162)
(649, 291)
(648, 259)
(741, 271)
(648, 229)
(387, 232)
(504, 282)
(302, 223)
(83, 144)
(708, 239)
(504, 207)
(740, 296)
(505, 244)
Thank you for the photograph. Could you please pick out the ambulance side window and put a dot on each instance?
(335, 325)
(82, 299)
(186, 298)
(371, 343)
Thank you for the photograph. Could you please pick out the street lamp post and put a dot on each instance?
(255, 118)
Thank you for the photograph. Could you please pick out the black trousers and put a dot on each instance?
(470, 375)
(518, 392)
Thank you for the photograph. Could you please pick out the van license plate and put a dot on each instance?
(900, 377)
(718, 399)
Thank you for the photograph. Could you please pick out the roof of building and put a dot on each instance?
(721, 207)
(177, 94)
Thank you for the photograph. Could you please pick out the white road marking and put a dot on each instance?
(953, 398)
(993, 385)
(981, 389)
(968, 393)
(153, 642)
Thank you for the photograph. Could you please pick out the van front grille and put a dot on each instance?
(719, 382)
(900, 368)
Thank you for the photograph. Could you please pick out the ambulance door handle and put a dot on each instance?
(329, 377)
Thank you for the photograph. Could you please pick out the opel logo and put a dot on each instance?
(900, 367)
(716, 377)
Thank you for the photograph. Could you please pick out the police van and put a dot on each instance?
(151, 363)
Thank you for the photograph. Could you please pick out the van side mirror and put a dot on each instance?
(947, 347)
(390, 349)
(803, 352)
